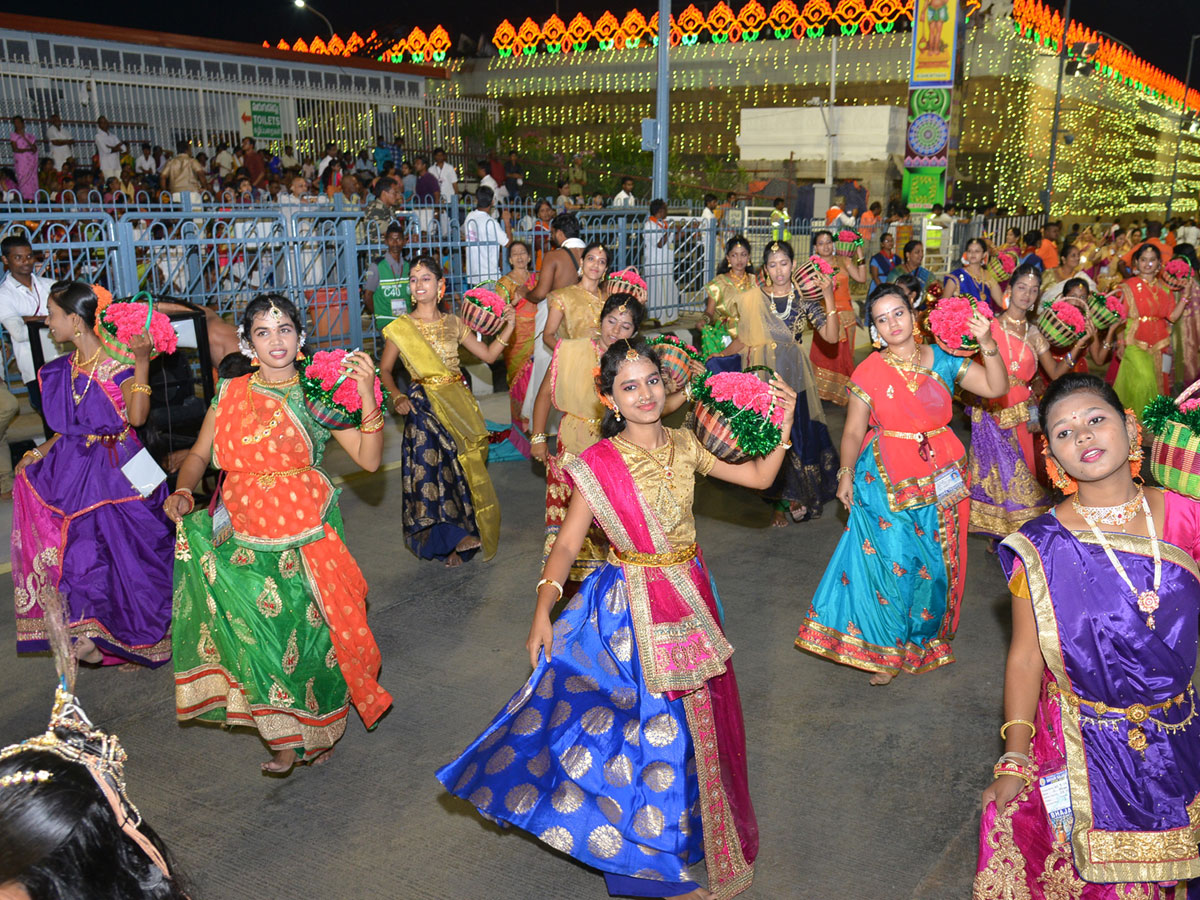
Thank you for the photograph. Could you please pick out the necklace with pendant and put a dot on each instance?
(1110, 515)
(1147, 600)
(77, 368)
(906, 368)
(787, 310)
(1014, 357)
(743, 282)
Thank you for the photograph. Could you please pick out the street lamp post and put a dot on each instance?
(301, 4)
(1062, 62)
(1187, 83)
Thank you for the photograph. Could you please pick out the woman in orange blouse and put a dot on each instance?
(1153, 309)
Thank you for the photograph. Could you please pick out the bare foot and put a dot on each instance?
(281, 763)
(453, 561)
(468, 543)
(881, 678)
(799, 512)
(321, 758)
(86, 651)
(779, 520)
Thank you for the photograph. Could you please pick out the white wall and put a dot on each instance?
(863, 133)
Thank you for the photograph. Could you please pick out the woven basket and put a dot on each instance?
(1174, 282)
(995, 265)
(119, 350)
(848, 248)
(484, 321)
(1057, 332)
(809, 280)
(676, 364)
(1099, 314)
(1175, 454)
(713, 430)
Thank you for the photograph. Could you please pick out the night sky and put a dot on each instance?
(1161, 36)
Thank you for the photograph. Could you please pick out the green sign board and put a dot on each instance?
(260, 119)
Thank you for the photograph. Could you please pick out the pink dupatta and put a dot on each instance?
(684, 653)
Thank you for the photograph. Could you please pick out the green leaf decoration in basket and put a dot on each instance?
(121, 320)
(1106, 310)
(735, 416)
(1175, 450)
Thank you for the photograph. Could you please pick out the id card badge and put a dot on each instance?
(949, 486)
(399, 307)
(222, 524)
(1056, 797)
(143, 472)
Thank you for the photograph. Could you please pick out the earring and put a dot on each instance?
(1136, 453)
(617, 415)
(1061, 479)
(441, 294)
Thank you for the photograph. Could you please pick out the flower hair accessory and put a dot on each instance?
(244, 345)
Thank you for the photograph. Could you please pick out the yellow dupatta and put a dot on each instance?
(573, 392)
(458, 412)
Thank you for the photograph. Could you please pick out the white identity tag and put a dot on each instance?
(143, 472)
(222, 524)
(949, 486)
(1056, 796)
(399, 307)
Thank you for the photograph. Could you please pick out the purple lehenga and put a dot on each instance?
(80, 530)
(1112, 685)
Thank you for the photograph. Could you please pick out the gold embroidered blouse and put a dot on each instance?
(669, 498)
(444, 336)
(580, 309)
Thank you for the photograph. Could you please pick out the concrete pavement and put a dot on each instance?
(860, 791)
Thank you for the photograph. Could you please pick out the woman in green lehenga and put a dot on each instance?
(270, 627)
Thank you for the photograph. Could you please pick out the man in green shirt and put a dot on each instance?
(385, 293)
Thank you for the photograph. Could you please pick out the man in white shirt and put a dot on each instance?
(445, 174)
(1188, 234)
(108, 149)
(331, 153)
(485, 238)
(145, 164)
(624, 197)
(938, 216)
(60, 142)
(499, 191)
(23, 299)
(223, 162)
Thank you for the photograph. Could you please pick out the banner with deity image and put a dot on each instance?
(930, 80)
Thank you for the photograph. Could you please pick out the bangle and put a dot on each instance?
(140, 388)
(501, 342)
(1008, 768)
(396, 402)
(784, 446)
(184, 492)
(687, 390)
(845, 470)
(552, 583)
(35, 453)
(1070, 359)
(371, 426)
(540, 438)
(1005, 726)
(1107, 345)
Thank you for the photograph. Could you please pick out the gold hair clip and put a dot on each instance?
(24, 777)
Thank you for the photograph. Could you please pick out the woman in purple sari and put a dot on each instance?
(82, 535)
(626, 747)
(1097, 795)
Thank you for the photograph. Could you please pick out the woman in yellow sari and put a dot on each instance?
(733, 288)
(574, 311)
(450, 506)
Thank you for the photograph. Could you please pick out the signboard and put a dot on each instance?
(935, 27)
(260, 119)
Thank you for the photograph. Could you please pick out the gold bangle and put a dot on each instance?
(371, 427)
(140, 388)
(396, 402)
(1032, 727)
(501, 342)
(35, 453)
(783, 446)
(540, 438)
(552, 583)
(845, 470)
(992, 352)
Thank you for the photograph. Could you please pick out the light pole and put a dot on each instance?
(1187, 83)
(662, 105)
(301, 4)
(1062, 62)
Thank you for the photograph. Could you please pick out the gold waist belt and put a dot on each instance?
(267, 479)
(438, 379)
(1151, 348)
(913, 435)
(1135, 715)
(1009, 416)
(108, 439)
(657, 560)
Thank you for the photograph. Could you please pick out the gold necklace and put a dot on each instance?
(256, 378)
(77, 369)
(669, 468)
(1014, 361)
(1147, 600)
(1110, 515)
(260, 430)
(742, 283)
(905, 367)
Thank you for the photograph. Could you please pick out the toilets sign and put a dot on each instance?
(260, 119)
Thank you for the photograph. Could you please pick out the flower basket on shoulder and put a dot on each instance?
(1175, 450)
(948, 320)
(811, 276)
(1062, 324)
(675, 355)
(848, 243)
(1106, 311)
(481, 309)
(1002, 264)
(119, 321)
(1176, 273)
(735, 415)
(626, 280)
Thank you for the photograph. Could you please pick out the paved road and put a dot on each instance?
(860, 792)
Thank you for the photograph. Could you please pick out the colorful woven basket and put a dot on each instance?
(1175, 451)
(1176, 273)
(1002, 264)
(479, 318)
(320, 401)
(844, 245)
(1099, 313)
(675, 356)
(712, 427)
(809, 280)
(714, 420)
(1057, 332)
(107, 331)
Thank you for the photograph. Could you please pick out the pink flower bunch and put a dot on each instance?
(129, 320)
(1178, 268)
(1189, 405)
(1114, 303)
(745, 391)
(325, 367)
(948, 321)
(628, 276)
(1069, 316)
(1008, 261)
(489, 300)
(823, 265)
(847, 235)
